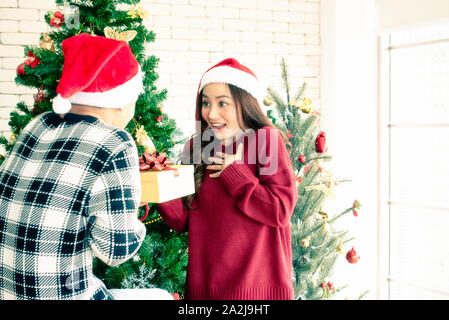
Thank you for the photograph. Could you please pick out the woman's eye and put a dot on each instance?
(205, 104)
(222, 104)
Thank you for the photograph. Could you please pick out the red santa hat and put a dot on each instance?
(98, 72)
(231, 71)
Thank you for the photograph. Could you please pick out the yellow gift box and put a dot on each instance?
(165, 185)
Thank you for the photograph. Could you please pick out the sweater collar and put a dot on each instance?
(72, 118)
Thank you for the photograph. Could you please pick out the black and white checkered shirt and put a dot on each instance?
(69, 190)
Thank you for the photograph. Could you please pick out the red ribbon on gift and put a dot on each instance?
(156, 161)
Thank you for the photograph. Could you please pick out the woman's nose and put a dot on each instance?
(214, 113)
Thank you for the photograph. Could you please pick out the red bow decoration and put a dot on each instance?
(156, 161)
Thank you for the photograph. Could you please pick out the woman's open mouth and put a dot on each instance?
(218, 126)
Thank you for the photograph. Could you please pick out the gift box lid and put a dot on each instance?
(154, 175)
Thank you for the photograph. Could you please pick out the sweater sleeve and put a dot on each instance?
(115, 233)
(174, 214)
(271, 197)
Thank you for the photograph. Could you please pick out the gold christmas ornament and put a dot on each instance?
(140, 12)
(127, 35)
(47, 43)
(323, 215)
(268, 101)
(141, 136)
(306, 110)
(326, 188)
(305, 243)
(294, 103)
(12, 137)
(340, 248)
(305, 105)
(306, 102)
(142, 139)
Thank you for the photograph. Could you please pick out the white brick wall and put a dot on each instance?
(191, 35)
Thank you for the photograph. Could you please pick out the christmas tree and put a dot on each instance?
(161, 262)
(316, 245)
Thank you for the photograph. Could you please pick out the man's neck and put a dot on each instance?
(88, 111)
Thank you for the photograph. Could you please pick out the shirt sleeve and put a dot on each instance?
(270, 197)
(115, 233)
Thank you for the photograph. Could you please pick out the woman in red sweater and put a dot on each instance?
(238, 220)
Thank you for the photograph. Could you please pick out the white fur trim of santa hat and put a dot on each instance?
(117, 97)
(236, 77)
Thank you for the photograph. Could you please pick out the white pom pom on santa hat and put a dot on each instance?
(61, 105)
(98, 72)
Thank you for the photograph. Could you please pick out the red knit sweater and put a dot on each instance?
(239, 230)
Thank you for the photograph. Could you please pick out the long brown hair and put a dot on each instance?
(249, 115)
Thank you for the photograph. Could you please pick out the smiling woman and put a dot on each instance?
(220, 112)
(239, 246)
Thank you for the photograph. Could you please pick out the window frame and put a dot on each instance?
(384, 200)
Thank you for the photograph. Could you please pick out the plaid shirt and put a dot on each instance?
(69, 190)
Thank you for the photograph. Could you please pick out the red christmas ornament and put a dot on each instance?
(21, 69)
(356, 205)
(289, 135)
(175, 295)
(320, 142)
(323, 285)
(32, 61)
(298, 179)
(58, 19)
(40, 96)
(352, 257)
(160, 118)
(330, 285)
(302, 158)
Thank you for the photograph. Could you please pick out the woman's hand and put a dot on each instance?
(223, 160)
(142, 204)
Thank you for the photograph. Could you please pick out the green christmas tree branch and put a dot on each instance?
(316, 246)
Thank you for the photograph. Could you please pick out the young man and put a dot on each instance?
(70, 187)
